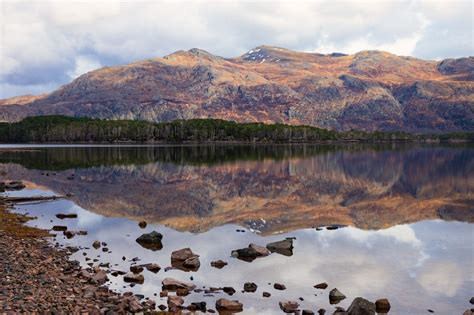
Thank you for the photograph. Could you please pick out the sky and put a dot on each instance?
(45, 44)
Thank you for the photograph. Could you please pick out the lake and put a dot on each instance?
(400, 216)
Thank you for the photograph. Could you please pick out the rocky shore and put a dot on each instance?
(39, 278)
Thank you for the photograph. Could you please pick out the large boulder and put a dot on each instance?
(284, 247)
(151, 241)
(361, 306)
(171, 284)
(225, 305)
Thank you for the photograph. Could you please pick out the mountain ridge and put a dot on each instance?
(369, 90)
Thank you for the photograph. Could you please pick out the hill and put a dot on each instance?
(369, 90)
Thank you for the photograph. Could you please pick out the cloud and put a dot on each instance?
(48, 43)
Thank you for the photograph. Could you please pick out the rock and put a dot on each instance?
(59, 228)
(175, 303)
(250, 287)
(321, 311)
(66, 216)
(468, 312)
(229, 290)
(284, 247)
(361, 306)
(16, 185)
(266, 294)
(192, 263)
(136, 269)
(279, 286)
(321, 286)
(250, 253)
(171, 284)
(185, 259)
(151, 241)
(339, 311)
(260, 250)
(307, 312)
(219, 264)
(224, 305)
(198, 306)
(471, 300)
(134, 278)
(182, 292)
(71, 234)
(152, 267)
(96, 244)
(382, 306)
(142, 224)
(99, 277)
(335, 296)
(289, 306)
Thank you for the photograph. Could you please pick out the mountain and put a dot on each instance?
(369, 90)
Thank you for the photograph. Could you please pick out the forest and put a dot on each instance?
(62, 129)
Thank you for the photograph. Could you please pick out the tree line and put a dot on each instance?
(49, 129)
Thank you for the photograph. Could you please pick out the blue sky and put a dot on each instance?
(44, 44)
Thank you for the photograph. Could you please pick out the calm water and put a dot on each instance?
(409, 212)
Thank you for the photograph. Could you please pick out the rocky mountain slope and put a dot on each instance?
(370, 90)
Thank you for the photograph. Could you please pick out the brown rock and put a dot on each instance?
(361, 306)
(134, 278)
(171, 284)
(250, 287)
(136, 269)
(322, 286)
(266, 294)
(279, 286)
(175, 302)
(224, 305)
(219, 264)
(96, 244)
(289, 306)
(142, 224)
(152, 267)
(382, 306)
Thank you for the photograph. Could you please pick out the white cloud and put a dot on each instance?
(45, 42)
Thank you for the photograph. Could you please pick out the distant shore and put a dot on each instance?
(78, 130)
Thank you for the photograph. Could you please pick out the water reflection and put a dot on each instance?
(267, 188)
(408, 210)
(417, 266)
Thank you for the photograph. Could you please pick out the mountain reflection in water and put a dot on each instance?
(270, 188)
(408, 209)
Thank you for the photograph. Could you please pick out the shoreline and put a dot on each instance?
(38, 276)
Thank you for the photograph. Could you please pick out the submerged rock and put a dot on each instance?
(382, 306)
(142, 224)
(197, 306)
(171, 284)
(151, 241)
(284, 247)
(335, 296)
(96, 244)
(361, 306)
(136, 269)
(224, 305)
(59, 228)
(289, 306)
